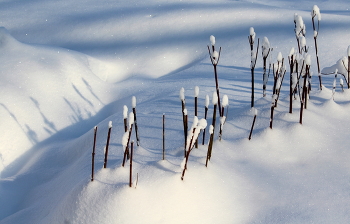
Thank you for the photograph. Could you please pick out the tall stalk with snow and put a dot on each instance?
(291, 60)
(266, 49)
(131, 155)
(223, 118)
(211, 140)
(316, 13)
(214, 58)
(133, 102)
(107, 144)
(93, 154)
(300, 31)
(125, 115)
(253, 58)
(127, 136)
(193, 134)
(279, 71)
(205, 114)
(184, 114)
(210, 145)
(196, 93)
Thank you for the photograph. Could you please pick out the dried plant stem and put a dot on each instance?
(210, 146)
(196, 114)
(107, 145)
(136, 128)
(251, 130)
(163, 136)
(131, 154)
(126, 152)
(93, 154)
(205, 117)
(271, 117)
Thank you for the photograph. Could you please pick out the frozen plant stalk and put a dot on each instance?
(254, 56)
(316, 13)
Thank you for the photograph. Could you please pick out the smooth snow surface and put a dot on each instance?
(69, 66)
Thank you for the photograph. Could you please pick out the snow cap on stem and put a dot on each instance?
(308, 60)
(195, 122)
(224, 101)
(291, 52)
(211, 129)
(252, 33)
(279, 57)
(302, 41)
(215, 98)
(182, 94)
(222, 120)
(265, 47)
(212, 40)
(133, 102)
(255, 111)
(110, 124)
(131, 119)
(202, 123)
(207, 101)
(125, 139)
(185, 111)
(215, 56)
(196, 91)
(316, 12)
(315, 33)
(125, 112)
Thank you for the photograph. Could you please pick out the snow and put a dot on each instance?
(265, 47)
(207, 100)
(215, 98)
(348, 51)
(225, 101)
(133, 101)
(70, 66)
(125, 112)
(182, 94)
(196, 91)
(212, 40)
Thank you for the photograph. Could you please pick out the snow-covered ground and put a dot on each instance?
(67, 66)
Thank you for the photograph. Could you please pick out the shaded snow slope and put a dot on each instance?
(83, 61)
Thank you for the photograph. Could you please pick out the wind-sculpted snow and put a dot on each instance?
(68, 66)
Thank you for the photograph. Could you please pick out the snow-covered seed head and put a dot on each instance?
(316, 12)
(131, 119)
(202, 123)
(125, 139)
(125, 112)
(315, 33)
(308, 60)
(215, 98)
(182, 94)
(215, 55)
(207, 101)
(211, 129)
(279, 57)
(195, 121)
(110, 124)
(185, 111)
(265, 47)
(212, 40)
(348, 51)
(255, 112)
(302, 41)
(299, 25)
(95, 128)
(224, 101)
(133, 102)
(252, 33)
(222, 120)
(291, 52)
(196, 91)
